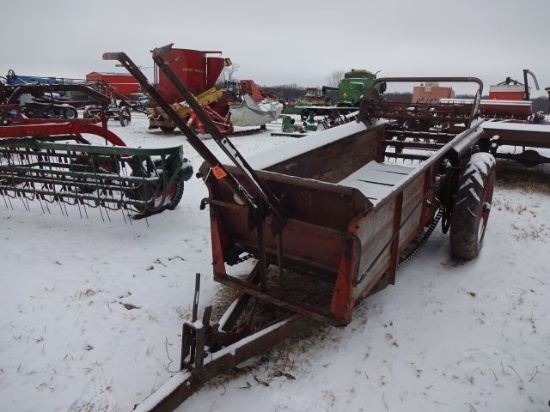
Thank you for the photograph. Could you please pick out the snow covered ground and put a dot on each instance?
(92, 311)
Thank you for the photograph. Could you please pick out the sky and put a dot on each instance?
(286, 42)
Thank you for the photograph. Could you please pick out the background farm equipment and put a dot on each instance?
(313, 96)
(198, 70)
(115, 111)
(205, 100)
(41, 97)
(513, 131)
(40, 100)
(316, 264)
(250, 105)
(510, 100)
(13, 79)
(513, 123)
(119, 107)
(49, 106)
(241, 103)
(351, 87)
(53, 161)
(348, 95)
(290, 127)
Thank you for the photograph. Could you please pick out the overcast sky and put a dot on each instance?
(286, 42)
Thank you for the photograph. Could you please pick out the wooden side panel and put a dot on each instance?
(412, 211)
(333, 162)
(376, 233)
(314, 235)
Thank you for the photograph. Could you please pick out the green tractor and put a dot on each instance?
(350, 91)
(351, 87)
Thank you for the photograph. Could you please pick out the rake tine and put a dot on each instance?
(107, 213)
(5, 201)
(79, 209)
(85, 210)
(41, 205)
(25, 204)
(60, 207)
(65, 208)
(47, 206)
(101, 213)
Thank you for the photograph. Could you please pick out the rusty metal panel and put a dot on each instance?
(518, 134)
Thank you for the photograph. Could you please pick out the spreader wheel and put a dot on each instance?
(472, 206)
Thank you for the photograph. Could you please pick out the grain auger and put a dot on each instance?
(54, 163)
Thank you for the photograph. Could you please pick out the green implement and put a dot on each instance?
(140, 181)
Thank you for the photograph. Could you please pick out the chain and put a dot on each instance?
(245, 258)
(423, 240)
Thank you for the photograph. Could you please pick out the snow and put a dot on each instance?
(92, 310)
(269, 157)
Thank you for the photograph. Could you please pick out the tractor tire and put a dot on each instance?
(167, 129)
(472, 206)
(70, 113)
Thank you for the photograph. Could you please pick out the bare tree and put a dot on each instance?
(335, 78)
(228, 73)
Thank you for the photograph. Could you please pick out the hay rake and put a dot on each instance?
(50, 161)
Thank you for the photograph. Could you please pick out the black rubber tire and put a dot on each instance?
(70, 113)
(179, 187)
(167, 129)
(171, 202)
(472, 205)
